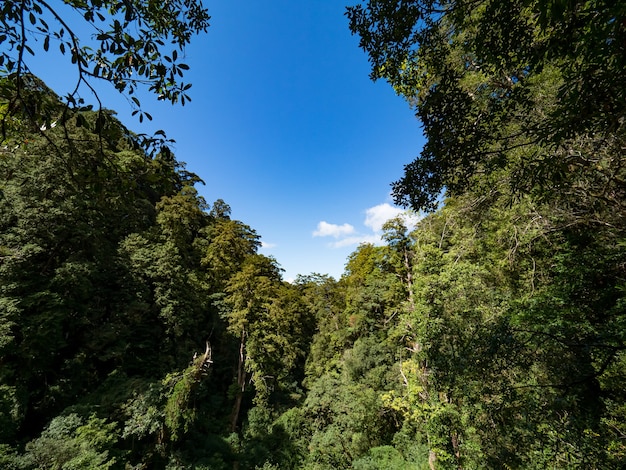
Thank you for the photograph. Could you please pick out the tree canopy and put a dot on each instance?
(140, 327)
(524, 91)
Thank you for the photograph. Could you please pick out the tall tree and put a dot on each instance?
(249, 301)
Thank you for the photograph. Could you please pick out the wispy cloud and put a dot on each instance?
(267, 245)
(324, 229)
(375, 218)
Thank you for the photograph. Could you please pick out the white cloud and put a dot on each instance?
(268, 245)
(324, 229)
(375, 217)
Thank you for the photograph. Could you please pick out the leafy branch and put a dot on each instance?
(136, 44)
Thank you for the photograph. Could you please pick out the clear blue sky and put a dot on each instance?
(285, 126)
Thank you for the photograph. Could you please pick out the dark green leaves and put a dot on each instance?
(506, 92)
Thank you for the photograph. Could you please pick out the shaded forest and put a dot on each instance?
(140, 328)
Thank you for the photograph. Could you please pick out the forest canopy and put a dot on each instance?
(141, 328)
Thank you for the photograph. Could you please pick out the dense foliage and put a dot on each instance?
(527, 90)
(140, 327)
(136, 321)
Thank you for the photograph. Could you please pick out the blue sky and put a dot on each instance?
(285, 126)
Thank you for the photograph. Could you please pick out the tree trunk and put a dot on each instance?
(408, 265)
(241, 383)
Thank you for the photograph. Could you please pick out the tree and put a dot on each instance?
(400, 254)
(230, 242)
(523, 92)
(324, 299)
(135, 44)
(250, 294)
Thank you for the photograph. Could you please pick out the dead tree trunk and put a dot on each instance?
(241, 383)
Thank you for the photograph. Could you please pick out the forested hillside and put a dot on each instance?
(141, 329)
